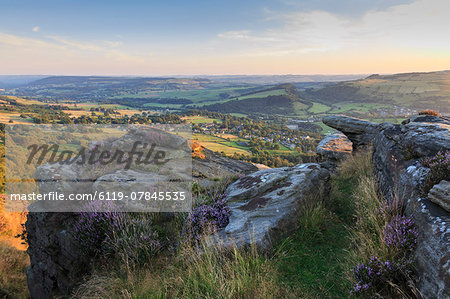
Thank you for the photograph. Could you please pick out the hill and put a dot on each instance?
(281, 99)
(414, 90)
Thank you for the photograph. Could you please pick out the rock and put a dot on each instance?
(426, 119)
(427, 138)
(57, 265)
(334, 147)
(268, 203)
(397, 154)
(440, 194)
(213, 166)
(359, 131)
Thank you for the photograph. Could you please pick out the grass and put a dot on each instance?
(318, 108)
(218, 144)
(203, 95)
(263, 94)
(13, 263)
(211, 274)
(311, 263)
(359, 107)
(325, 129)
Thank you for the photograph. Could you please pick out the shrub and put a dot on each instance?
(439, 169)
(400, 234)
(211, 215)
(373, 276)
(429, 112)
(112, 233)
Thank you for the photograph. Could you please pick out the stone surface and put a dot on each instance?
(334, 147)
(268, 203)
(212, 166)
(56, 264)
(397, 152)
(359, 131)
(440, 194)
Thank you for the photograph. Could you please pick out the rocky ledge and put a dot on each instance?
(334, 147)
(398, 155)
(267, 204)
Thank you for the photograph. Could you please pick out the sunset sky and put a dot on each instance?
(223, 37)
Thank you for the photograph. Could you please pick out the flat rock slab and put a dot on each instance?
(335, 147)
(268, 203)
(440, 195)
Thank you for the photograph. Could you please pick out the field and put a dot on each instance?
(15, 117)
(218, 144)
(359, 107)
(318, 108)
(89, 105)
(204, 95)
(197, 119)
(78, 113)
(263, 94)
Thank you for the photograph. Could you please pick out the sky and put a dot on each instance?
(212, 37)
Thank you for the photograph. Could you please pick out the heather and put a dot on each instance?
(127, 237)
(439, 166)
(207, 217)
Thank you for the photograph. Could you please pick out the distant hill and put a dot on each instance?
(279, 79)
(10, 81)
(415, 90)
(99, 88)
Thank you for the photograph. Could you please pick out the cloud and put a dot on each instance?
(36, 29)
(26, 55)
(84, 46)
(421, 24)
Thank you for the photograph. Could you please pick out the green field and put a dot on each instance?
(263, 94)
(218, 144)
(318, 108)
(89, 105)
(197, 119)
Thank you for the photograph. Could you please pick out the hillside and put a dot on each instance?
(281, 99)
(414, 90)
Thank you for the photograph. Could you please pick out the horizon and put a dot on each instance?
(219, 75)
(211, 38)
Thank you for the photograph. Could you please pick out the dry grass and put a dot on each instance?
(195, 273)
(367, 229)
(13, 264)
(11, 225)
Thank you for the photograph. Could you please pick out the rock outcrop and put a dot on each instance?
(360, 132)
(440, 195)
(397, 154)
(268, 203)
(211, 166)
(334, 147)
